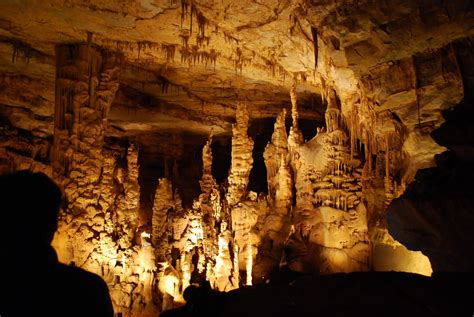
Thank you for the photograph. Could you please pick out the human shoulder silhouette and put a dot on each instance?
(33, 281)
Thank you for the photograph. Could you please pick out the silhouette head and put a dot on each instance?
(30, 207)
(191, 294)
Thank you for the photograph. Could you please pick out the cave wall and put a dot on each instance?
(434, 214)
(385, 71)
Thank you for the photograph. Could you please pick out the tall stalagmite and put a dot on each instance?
(161, 218)
(275, 220)
(296, 136)
(86, 83)
(242, 160)
(275, 149)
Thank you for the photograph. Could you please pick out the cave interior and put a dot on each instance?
(251, 144)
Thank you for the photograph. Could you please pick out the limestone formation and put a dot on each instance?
(86, 84)
(277, 148)
(330, 232)
(207, 182)
(121, 104)
(162, 216)
(242, 160)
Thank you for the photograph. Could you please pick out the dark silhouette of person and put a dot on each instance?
(33, 281)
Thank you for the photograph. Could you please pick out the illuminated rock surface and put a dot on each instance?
(227, 141)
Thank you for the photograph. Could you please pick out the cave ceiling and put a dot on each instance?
(186, 64)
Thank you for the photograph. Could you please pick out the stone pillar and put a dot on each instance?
(242, 160)
(86, 83)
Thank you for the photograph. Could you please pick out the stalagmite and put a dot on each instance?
(242, 160)
(332, 113)
(276, 223)
(207, 182)
(127, 204)
(162, 204)
(335, 203)
(249, 265)
(274, 150)
(235, 271)
(296, 136)
(119, 124)
(223, 266)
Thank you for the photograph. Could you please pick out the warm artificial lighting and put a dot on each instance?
(249, 264)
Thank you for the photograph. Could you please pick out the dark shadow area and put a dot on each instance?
(221, 157)
(351, 294)
(176, 156)
(307, 127)
(34, 283)
(260, 130)
(435, 213)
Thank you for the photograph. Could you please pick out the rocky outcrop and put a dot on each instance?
(86, 84)
(434, 215)
(330, 232)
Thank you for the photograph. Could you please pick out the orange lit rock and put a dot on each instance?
(153, 119)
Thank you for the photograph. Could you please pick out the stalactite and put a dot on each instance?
(387, 158)
(184, 11)
(294, 103)
(202, 21)
(368, 149)
(314, 33)
(169, 52)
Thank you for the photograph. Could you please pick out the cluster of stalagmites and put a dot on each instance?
(230, 236)
(314, 217)
(236, 237)
(99, 228)
(330, 232)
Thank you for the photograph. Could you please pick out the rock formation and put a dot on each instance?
(86, 84)
(242, 160)
(421, 217)
(330, 232)
(153, 119)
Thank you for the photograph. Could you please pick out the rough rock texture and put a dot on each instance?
(435, 213)
(275, 150)
(330, 232)
(242, 159)
(86, 84)
(116, 99)
(160, 221)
